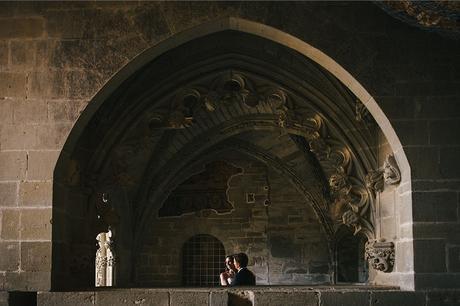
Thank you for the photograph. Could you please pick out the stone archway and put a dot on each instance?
(118, 144)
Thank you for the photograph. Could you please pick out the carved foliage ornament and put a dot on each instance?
(227, 89)
(349, 195)
(350, 203)
(380, 255)
(350, 199)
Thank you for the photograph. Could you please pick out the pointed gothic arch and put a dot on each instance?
(145, 96)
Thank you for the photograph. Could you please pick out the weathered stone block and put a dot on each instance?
(29, 111)
(441, 132)
(404, 208)
(438, 107)
(3, 297)
(47, 84)
(185, 298)
(430, 255)
(388, 228)
(10, 224)
(450, 167)
(446, 230)
(12, 85)
(3, 53)
(453, 258)
(17, 136)
(405, 231)
(218, 298)
(76, 53)
(435, 206)
(27, 281)
(399, 107)
(36, 224)
(9, 259)
(35, 256)
(437, 280)
(89, 23)
(41, 54)
(23, 53)
(41, 164)
(397, 298)
(65, 298)
(35, 194)
(52, 137)
(413, 132)
(285, 298)
(344, 298)
(133, 297)
(8, 194)
(6, 113)
(440, 185)
(84, 84)
(13, 165)
(443, 298)
(404, 256)
(421, 161)
(241, 297)
(27, 27)
(387, 208)
(65, 111)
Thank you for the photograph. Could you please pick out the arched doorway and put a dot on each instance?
(229, 87)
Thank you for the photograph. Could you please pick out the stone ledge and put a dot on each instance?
(254, 296)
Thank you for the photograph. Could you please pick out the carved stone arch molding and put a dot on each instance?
(187, 96)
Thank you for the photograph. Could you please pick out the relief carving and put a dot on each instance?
(181, 115)
(350, 198)
(350, 203)
(380, 255)
(105, 260)
(391, 173)
(374, 180)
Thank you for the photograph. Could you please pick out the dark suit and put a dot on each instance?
(244, 277)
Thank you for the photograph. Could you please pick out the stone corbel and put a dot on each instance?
(380, 254)
(389, 174)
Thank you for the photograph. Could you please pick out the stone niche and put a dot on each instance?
(262, 214)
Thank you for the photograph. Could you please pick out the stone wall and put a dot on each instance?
(282, 237)
(54, 58)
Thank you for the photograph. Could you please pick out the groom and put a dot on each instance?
(243, 277)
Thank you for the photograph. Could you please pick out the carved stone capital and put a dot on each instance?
(380, 255)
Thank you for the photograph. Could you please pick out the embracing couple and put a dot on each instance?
(237, 273)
